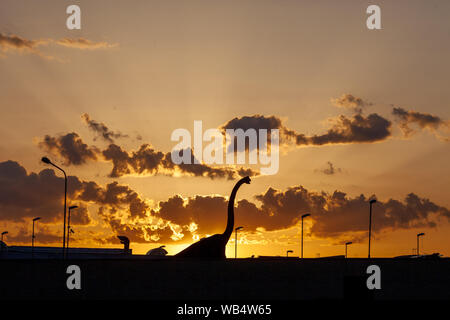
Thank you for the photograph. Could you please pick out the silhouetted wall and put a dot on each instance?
(230, 279)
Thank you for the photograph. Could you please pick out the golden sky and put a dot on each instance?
(362, 113)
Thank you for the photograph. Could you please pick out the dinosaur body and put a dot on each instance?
(214, 246)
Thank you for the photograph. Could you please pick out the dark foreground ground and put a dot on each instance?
(249, 279)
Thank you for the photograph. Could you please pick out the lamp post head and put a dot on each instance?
(4, 232)
(420, 234)
(46, 160)
(347, 243)
(289, 251)
(373, 201)
(73, 207)
(37, 218)
(305, 215)
(238, 228)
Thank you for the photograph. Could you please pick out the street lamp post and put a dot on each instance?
(235, 240)
(3, 233)
(419, 235)
(47, 161)
(303, 216)
(68, 227)
(370, 221)
(32, 237)
(346, 244)
(287, 253)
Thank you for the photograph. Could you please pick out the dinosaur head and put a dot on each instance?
(246, 180)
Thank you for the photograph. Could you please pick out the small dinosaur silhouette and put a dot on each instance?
(157, 251)
(214, 246)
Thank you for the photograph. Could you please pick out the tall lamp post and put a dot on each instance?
(68, 226)
(287, 253)
(3, 233)
(235, 240)
(419, 235)
(47, 161)
(370, 221)
(346, 244)
(32, 237)
(303, 216)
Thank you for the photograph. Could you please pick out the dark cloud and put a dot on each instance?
(101, 129)
(357, 129)
(144, 161)
(257, 122)
(406, 118)
(69, 147)
(330, 169)
(115, 196)
(349, 101)
(202, 170)
(209, 212)
(148, 161)
(25, 196)
(80, 216)
(44, 235)
(344, 130)
(336, 215)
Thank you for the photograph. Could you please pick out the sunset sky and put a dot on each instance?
(361, 113)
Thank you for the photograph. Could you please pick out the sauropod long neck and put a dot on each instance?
(230, 221)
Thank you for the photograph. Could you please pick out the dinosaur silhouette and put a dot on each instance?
(157, 252)
(214, 246)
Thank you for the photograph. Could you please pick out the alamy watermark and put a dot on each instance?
(231, 146)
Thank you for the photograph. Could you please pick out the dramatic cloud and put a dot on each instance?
(84, 44)
(357, 129)
(69, 147)
(343, 129)
(336, 215)
(44, 235)
(330, 169)
(144, 161)
(333, 215)
(148, 161)
(259, 122)
(25, 196)
(101, 129)
(349, 101)
(423, 120)
(181, 220)
(256, 122)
